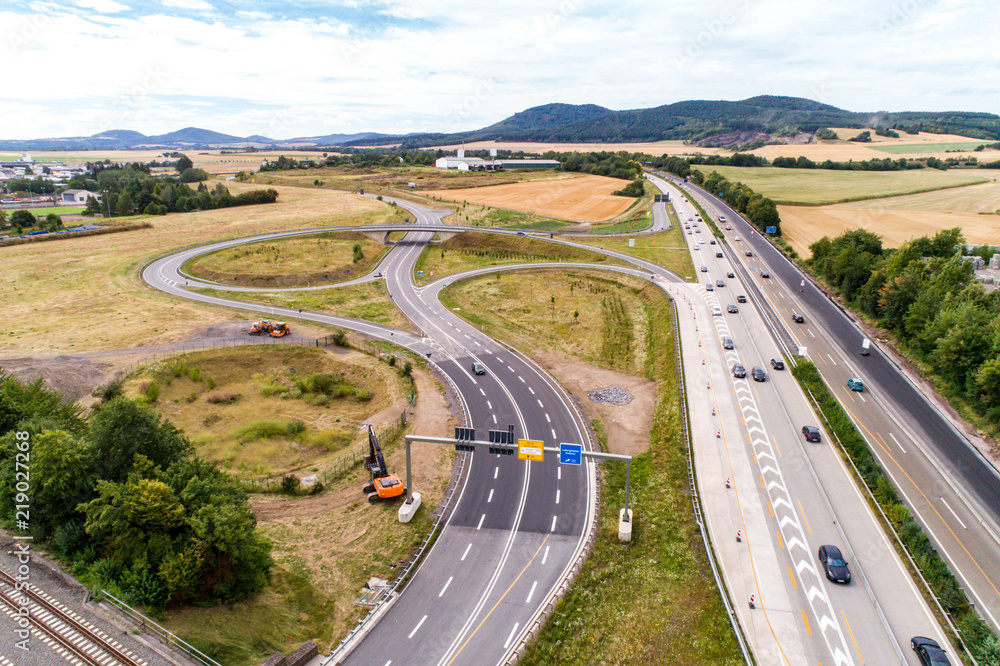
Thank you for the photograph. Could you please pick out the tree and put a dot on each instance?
(121, 429)
(183, 163)
(23, 218)
(53, 222)
(987, 382)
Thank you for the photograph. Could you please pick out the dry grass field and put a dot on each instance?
(822, 186)
(84, 294)
(651, 148)
(291, 262)
(586, 198)
(212, 161)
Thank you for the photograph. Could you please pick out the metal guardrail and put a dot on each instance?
(695, 502)
(169, 637)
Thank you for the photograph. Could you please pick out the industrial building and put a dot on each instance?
(463, 163)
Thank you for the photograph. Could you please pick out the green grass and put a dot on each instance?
(666, 248)
(922, 148)
(816, 187)
(58, 210)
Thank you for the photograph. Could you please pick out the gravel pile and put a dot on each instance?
(613, 395)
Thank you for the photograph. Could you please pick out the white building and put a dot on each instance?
(463, 163)
(78, 196)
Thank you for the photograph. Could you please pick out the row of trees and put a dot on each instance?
(121, 497)
(130, 189)
(802, 162)
(24, 220)
(616, 165)
(926, 295)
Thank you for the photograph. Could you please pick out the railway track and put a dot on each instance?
(75, 639)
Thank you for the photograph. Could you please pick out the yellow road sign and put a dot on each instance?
(529, 449)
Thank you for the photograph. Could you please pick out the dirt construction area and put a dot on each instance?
(583, 198)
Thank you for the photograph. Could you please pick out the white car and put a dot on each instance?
(716, 311)
(701, 241)
(736, 238)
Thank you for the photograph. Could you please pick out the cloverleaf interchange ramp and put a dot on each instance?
(515, 531)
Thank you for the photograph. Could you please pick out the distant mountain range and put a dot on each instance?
(762, 119)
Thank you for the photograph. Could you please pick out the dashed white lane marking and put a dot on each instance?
(496, 470)
(897, 442)
(466, 552)
(811, 333)
(477, 344)
(489, 404)
(467, 337)
(510, 637)
(831, 359)
(545, 556)
(540, 404)
(531, 592)
(553, 433)
(511, 369)
(441, 593)
(547, 418)
(483, 392)
(532, 390)
(417, 627)
(481, 519)
(490, 498)
(557, 496)
(559, 473)
(553, 523)
(388, 662)
(494, 418)
(954, 514)
(521, 378)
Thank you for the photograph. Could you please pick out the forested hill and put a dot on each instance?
(762, 118)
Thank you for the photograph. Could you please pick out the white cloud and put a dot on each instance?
(454, 65)
(103, 6)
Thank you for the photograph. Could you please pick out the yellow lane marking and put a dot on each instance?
(805, 621)
(781, 542)
(776, 448)
(771, 508)
(848, 625)
(804, 519)
(792, 576)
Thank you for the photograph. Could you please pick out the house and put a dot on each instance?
(78, 196)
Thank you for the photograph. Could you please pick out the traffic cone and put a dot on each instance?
(727, 482)
(751, 602)
(713, 408)
(739, 536)
(718, 434)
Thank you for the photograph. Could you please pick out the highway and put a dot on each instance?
(951, 488)
(516, 529)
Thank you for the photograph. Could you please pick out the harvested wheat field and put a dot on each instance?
(584, 198)
(803, 225)
(84, 294)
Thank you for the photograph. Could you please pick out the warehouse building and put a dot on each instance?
(463, 163)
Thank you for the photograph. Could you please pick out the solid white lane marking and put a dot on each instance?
(441, 593)
(557, 496)
(897, 442)
(481, 519)
(553, 523)
(531, 592)
(417, 627)
(546, 555)
(466, 552)
(496, 470)
(511, 636)
(954, 514)
(490, 498)
(781, 294)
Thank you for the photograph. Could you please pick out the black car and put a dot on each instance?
(777, 364)
(834, 564)
(758, 374)
(711, 242)
(811, 433)
(478, 368)
(741, 299)
(929, 651)
(739, 371)
(719, 255)
(765, 274)
(520, 233)
(749, 253)
(797, 318)
(730, 274)
(731, 308)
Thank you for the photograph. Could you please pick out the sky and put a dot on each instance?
(81, 67)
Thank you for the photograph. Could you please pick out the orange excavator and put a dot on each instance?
(281, 329)
(261, 327)
(383, 485)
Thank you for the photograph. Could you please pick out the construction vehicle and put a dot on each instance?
(383, 485)
(261, 328)
(281, 329)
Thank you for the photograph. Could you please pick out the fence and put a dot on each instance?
(169, 637)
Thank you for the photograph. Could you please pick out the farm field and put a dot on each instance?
(84, 294)
(651, 148)
(822, 186)
(397, 179)
(211, 161)
(585, 198)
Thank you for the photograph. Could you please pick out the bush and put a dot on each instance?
(111, 390)
(222, 398)
(290, 484)
(339, 338)
(152, 392)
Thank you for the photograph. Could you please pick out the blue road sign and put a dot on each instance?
(570, 454)
(770, 230)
